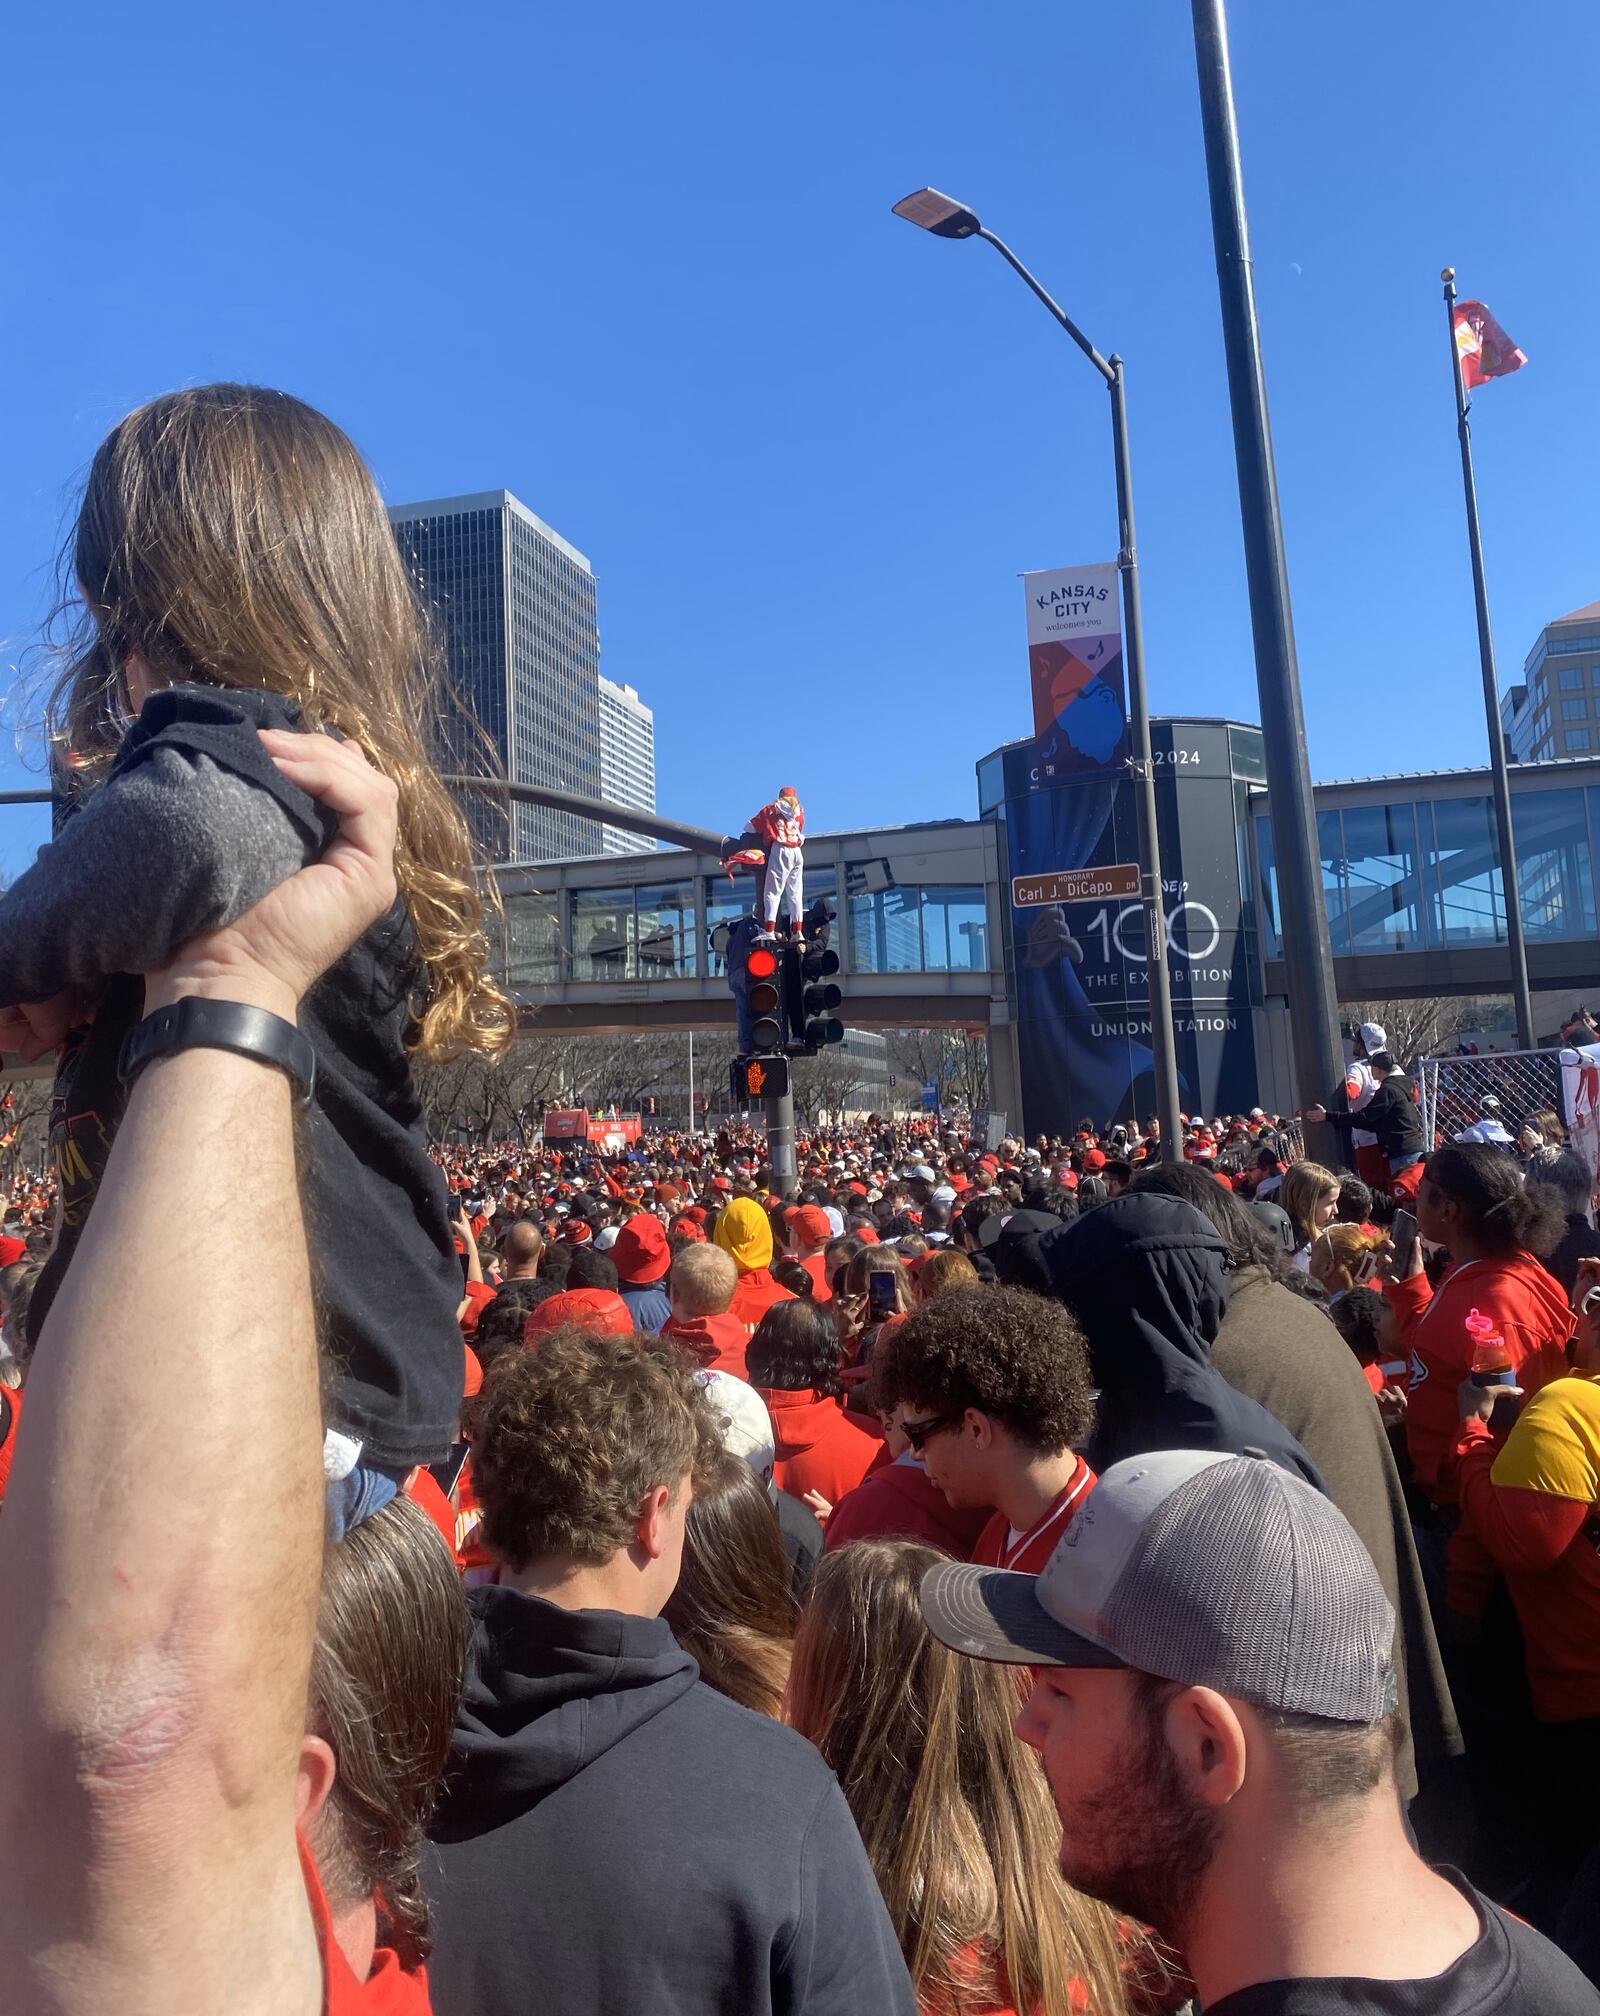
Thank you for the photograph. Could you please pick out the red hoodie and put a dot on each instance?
(1533, 1316)
(716, 1343)
(898, 1503)
(754, 1296)
(819, 1446)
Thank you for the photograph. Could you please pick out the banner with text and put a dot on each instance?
(1080, 713)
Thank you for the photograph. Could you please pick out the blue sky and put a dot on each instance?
(636, 264)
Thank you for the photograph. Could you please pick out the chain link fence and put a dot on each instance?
(1454, 1091)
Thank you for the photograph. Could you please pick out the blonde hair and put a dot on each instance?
(1305, 1185)
(952, 1808)
(944, 1271)
(703, 1279)
(232, 536)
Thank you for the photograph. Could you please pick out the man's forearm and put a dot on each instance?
(161, 1544)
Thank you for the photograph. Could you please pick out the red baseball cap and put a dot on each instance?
(686, 1226)
(811, 1223)
(640, 1250)
(12, 1250)
(1094, 1159)
(596, 1309)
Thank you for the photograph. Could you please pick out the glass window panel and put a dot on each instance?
(602, 934)
(1574, 710)
(955, 936)
(991, 779)
(1571, 677)
(726, 903)
(1467, 899)
(1330, 848)
(1555, 875)
(664, 921)
(1575, 739)
(823, 880)
(884, 935)
(1271, 944)
(1383, 878)
(533, 939)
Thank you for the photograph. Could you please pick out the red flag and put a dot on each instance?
(1486, 351)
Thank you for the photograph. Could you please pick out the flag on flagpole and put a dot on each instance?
(1486, 351)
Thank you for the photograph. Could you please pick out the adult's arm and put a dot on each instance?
(1525, 1527)
(161, 1544)
(179, 846)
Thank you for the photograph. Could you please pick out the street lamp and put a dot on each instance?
(933, 211)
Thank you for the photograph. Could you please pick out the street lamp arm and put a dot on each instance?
(1054, 306)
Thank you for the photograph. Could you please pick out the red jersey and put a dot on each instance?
(10, 1409)
(815, 1265)
(716, 1343)
(898, 1502)
(1028, 1552)
(388, 1989)
(777, 830)
(754, 1296)
(1533, 1317)
(819, 1446)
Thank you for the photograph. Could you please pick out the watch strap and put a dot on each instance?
(196, 1023)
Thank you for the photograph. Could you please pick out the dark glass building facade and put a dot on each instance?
(516, 607)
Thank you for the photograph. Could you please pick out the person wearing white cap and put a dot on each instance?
(1214, 1701)
(1354, 1094)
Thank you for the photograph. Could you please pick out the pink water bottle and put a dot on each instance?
(1491, 1356)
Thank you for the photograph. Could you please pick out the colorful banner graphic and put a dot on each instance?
(1080, 711)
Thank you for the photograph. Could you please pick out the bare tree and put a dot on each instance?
(956, 1060)
(1420, 1028)
(825, 1085)
(24, 1123)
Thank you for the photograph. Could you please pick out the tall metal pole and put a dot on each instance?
(781, 1158)
(1163, 1042)
(1164, 1053)
(1515, 946)
(1302, 921)
(693, 1126)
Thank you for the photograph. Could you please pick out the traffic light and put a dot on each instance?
(759, 1078)
(755, 982)
(812, 995)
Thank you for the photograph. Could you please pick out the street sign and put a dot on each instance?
(1077, 885)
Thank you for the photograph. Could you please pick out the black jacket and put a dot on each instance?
(617, 1840)
(377, 1215)
(1391, 1115)
(1145, 1276)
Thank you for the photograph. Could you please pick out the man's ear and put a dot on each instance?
(648, 1533)
(313, 1779)
(1207, 1739)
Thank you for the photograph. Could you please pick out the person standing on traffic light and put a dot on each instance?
(782, 826)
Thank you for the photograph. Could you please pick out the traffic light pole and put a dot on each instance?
(781, 1158)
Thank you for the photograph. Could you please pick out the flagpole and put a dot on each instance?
(1522, 1001)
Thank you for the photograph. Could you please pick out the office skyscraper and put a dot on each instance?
(627, 762)
(1555, 709)
(516, 606)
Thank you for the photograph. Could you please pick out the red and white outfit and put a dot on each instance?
(1000, 1545)
(782, 826)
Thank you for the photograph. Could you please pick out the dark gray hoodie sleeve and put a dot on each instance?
(844, 1959)
(177, 846)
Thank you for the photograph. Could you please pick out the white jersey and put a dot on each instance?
(1359, 1086)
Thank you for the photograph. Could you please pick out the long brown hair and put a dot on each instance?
(732, 1607)
(952, 1807)
(233, 536)
(386, 1674)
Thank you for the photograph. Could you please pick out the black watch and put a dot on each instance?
(195, 1023)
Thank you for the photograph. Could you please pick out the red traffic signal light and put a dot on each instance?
(761, 963)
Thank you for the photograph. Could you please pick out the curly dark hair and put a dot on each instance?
(790, 1274)
(795, 1348)
(1005, 1352)
(568, 1440)
(502, 1321)
(1501, 1214)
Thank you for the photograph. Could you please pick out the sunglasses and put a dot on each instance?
(919, 1433)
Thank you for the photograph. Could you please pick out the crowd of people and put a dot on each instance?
(1038, 1577)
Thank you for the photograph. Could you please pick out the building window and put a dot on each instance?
(1383, 878)
(1575, 739)
(1574, 710)
(1467, 898)
(884, 932)
(1554, 867)
(1571, 678)
(602, 934)
(664, 924)
(954, 930)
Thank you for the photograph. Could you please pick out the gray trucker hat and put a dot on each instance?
(1211, 1570)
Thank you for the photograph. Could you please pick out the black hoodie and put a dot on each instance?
(614, 1838)
(1145, 1275)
